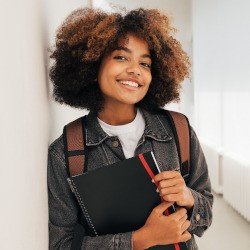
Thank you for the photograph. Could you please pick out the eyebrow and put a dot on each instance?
(130, 51)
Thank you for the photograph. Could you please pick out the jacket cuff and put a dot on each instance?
(198, 216)
(123, 241)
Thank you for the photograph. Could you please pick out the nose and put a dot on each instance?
(134, 68)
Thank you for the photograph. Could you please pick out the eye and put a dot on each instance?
(146, 65)
(120, 58)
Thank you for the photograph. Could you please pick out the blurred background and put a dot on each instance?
(215, 34)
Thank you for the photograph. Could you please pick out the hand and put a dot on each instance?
(172, 188)
(162, 230)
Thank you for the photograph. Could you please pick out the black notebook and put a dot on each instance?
(119, 197)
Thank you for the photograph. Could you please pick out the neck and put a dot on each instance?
(118, 115)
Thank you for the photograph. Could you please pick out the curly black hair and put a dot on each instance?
(88, 34)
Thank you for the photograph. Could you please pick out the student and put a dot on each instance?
(123, 69)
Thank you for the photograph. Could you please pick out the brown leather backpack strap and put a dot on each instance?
(74, 146)
(182, 137)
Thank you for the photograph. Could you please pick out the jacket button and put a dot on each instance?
(197, 217)
(115, 144)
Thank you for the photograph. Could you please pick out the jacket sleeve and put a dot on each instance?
(64, 212)
(199, 183)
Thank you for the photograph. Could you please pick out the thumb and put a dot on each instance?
(161, 208)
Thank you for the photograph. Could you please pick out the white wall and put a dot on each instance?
(221, 55)
(24, 127)
(26, 27)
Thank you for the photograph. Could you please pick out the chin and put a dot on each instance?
(131, 102)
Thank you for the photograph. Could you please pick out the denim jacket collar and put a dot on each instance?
(153, 129)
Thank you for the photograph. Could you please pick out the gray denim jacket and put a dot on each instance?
(64, 211)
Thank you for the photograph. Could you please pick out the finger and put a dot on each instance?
(166, 175)
(183, 220)
(185, 236)
(180, 212)
(185, 225)
(170, 190)
(172, 197)
(161, 208)
(178, 180)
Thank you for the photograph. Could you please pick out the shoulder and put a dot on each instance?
(56, 148)
(165, 117)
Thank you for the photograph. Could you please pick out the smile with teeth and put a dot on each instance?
(130, 83)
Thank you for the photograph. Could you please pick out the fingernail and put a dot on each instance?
(153, 181)
(157, 190)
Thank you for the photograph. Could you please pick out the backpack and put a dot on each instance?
(75, 153)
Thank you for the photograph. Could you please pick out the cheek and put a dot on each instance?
(108, 72)
(103, 76)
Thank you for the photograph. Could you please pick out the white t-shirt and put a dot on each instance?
(128, 134)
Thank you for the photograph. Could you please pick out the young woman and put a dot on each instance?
(123, 68)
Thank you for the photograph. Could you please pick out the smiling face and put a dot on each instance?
(125, 74)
